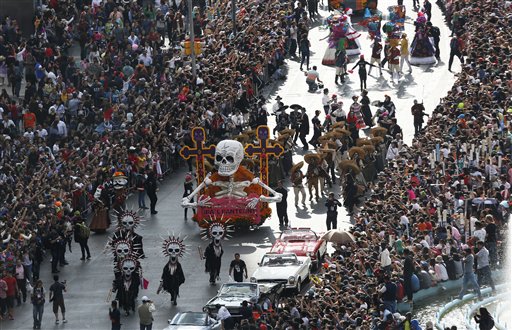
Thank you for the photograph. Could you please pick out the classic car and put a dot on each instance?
(284, 268)
(303, 242)
(193, 321)
(231, 295)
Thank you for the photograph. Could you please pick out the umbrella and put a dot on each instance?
(297, 167)
(339, 237)
(339, 124)
(296, 106)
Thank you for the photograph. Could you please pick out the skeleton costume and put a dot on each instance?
(101, 218)
(213, 252)
(119, 181)
(127, 222)
(127, 281)
(172, 274)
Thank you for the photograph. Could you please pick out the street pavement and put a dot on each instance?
(89, 282)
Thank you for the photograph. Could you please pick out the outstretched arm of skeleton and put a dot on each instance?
(186, 201)
(268, 199)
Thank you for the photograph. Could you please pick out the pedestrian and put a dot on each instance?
(57, 290)
(427, 6)
(388, 292)
(376, 53)
(326, 101)
(282, 206)
(297, 178)
(12, 291)
(304, 128)
(312, 77)
(238, 269)
(341, 66)
(456, 48)
(415, 3)
(469, 276)
(188, 187)
(82, 234)
(435, 34)
(484, 319)
(408, 271)
(115, 315)
(21, 281)
(332, 211)
(151, 187)
(304, 45)
(317, 129)
(363, 75)
(483, 269)
(140, 182)
(38, 300)
(385, 259)
(366, 112)
(293, 40)
(404, 52)
(3, 298)
(491, 239)
(418, 112)
(145, 311)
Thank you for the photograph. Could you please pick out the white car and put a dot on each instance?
(283, 268)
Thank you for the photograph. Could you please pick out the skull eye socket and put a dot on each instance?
(230, 159)
(218, 158)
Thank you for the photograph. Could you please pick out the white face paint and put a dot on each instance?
(120, 182)
(174, 251)
(128, 267)
(128, 222)
(217, 232)
(122, 249)
(228, 156)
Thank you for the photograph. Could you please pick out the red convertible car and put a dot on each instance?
(302, 242)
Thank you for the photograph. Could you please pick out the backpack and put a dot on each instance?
(84, 230)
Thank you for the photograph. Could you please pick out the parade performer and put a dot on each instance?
(127, 222)
(393, 56)
(216, 231)
(101, 218)
(376, 52)
(342, 36)
(422, 50)
(361, 65)
(127, 281)
(365, 108)
(172, 274)
(119, 181)
(341, 66)
(314, 173)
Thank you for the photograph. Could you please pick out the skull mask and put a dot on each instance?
(217, 232)
(228, 156)
(128, 222)
(174, 251)
(128, 267)
(122, 249)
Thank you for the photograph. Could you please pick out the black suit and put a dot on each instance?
(282, 206)
(304, 129)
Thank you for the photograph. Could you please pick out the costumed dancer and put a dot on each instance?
(355, 118)
(216, 231)
(422, 50)
(341, 66)
(127, 281)
(127, 221)
(376, 53)
(172, 274)
(119, 181)
(361, 64)
(342, 37)
(393, 56)
(101, 219)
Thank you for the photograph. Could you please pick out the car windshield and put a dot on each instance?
(243, 289)
(297, 235)
(279, 260)
(198, 319)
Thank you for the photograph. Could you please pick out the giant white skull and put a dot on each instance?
(228, 156)
(128, 267)
(122, 249)
(217, 232)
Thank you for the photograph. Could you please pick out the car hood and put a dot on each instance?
(300, 248)
(228, 301)
(275, 273)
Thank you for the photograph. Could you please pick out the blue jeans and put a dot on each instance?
(142, 198)
(38, 314)
(312, 85)
(469, 278)
(390, 305)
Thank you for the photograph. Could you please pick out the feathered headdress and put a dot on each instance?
(174, 246)
(217, 229)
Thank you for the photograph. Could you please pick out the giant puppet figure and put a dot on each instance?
(172, 274)
(233, 191)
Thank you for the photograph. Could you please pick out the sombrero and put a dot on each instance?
(377, 140)
(332, 145)
(339, 124)
(242, 138)
(251, 133)
(379, 131)
(356, 150)
(208, 166)
(274, 142)
(363, 142)
(297, 167)
(282, 138)
(349, 165)
(370, 149)
(343, 131)
(288, 131)
(323, 139)
(310, 158)
(336, 134)
(248, 163)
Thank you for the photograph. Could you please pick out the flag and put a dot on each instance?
(144, 283)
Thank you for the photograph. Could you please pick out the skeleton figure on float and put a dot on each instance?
(228, 156)
(172, 274)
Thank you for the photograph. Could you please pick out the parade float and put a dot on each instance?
(231, 192)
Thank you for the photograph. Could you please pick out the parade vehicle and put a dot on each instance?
(303, 242)
(233, 294)
(193, 321)
(284, 268)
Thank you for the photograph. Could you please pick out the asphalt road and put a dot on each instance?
(90, 281)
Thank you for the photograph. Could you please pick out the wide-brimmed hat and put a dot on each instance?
(439, 259)
(357, 150)
(339, 124)
(312, 158)
(362, 142)
(288, 131)
(349, 166)
(379, 131)
(297, 167)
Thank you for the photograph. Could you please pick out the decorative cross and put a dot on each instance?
(264, 149)
(199, 151)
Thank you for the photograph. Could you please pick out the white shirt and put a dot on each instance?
(480, 234)
(326, 100)
(29, 135)
(385, 260)
(63, 130)
(42, 133)
(223, 314)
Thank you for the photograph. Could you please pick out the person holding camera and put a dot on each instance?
(57, 297)
(145, 311)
